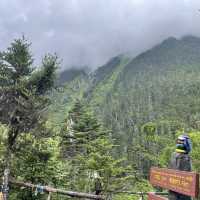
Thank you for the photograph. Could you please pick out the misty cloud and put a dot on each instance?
(89, 32)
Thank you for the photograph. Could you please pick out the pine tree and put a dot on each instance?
(22, 100)
(88, 147)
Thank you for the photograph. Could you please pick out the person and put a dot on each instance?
(180, 160)
(98, 186)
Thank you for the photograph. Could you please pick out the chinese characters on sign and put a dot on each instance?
(179, 181)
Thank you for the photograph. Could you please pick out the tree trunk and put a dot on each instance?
(8, 158)
(5, 187)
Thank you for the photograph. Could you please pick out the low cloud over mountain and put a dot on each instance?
(89, 32)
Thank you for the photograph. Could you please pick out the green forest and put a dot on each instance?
(69, 129)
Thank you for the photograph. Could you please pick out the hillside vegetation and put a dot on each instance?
(108, 126)
(158, 90)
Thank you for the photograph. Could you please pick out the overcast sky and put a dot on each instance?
(89, 32)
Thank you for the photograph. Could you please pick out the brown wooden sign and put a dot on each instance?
(1, 196)
(178, 181)
(152, 196)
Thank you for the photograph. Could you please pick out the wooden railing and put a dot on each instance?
(182, 182)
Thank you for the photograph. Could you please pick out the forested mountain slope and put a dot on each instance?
(70, 88)
(78, 84)
(169, 55)
(109, 126)
(159, 88)
(69, 75)
(158, 92)
(103, 81)
(161, 84)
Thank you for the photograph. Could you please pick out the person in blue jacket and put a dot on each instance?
(180, 160)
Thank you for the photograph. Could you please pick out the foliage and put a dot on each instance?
(37, 160)
(62, 100)
(16, 61)
(128, 109)
(146, 100)
(43, 80)
(89, 148)
(22, 106)
(195, 136)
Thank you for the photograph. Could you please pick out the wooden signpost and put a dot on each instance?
(1, 196)
(152, 196)
(182, 182)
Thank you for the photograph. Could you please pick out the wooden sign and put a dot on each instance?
(152, 196)
(1, 196)
(178, 181)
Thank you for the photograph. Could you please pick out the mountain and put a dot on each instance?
(171, 53)
(106, 70)
(69, 75)
(71, 85)
(158, 90)
(159, 84)
(103, 80)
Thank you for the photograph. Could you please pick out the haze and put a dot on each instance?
(89, 32)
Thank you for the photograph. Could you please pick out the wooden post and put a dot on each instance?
(153, 196)
(5, 187)
(49, 196)
(1, 196)
(142, 197)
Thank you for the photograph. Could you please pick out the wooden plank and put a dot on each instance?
(1, 196)
(153, 196)
(178, 181)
